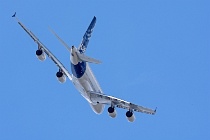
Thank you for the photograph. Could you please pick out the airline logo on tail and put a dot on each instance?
(86, 37)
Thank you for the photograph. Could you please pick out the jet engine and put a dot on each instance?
(112, 112)
(130, 116)
(40, 55)
(61, 77)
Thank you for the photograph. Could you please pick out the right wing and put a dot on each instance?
(110, 100)
(49, 54)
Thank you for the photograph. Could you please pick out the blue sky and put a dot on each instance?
(154, 53)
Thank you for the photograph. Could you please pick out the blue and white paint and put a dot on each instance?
(79, 69)
(83, 46)
(83, 78)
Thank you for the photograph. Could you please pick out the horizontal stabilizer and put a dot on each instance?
(67, 47)
(87, 59)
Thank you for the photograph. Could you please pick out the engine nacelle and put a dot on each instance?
(130, 116)
(112, 112)
(40, 55)
(61, 77)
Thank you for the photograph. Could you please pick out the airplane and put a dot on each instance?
(82, 76)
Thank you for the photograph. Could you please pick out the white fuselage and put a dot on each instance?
(84, 80)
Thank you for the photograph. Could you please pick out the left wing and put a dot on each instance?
(113, 101)
(47, 51)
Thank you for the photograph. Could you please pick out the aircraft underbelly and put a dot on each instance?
(89, 83)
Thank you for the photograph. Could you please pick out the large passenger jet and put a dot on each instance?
(82, 76)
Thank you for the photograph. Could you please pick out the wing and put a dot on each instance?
(110, 100)
(87, 35)
(46, 50)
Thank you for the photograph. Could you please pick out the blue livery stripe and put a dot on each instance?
(79, 69)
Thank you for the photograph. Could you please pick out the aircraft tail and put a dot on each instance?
(83, 46)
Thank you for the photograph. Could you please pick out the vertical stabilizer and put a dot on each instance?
(83, 46)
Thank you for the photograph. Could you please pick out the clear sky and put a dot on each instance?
(154, 53)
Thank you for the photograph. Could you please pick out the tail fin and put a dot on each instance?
(87, 35)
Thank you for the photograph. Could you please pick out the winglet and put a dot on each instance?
(155, 110)
(67, 47)
(14, 14)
